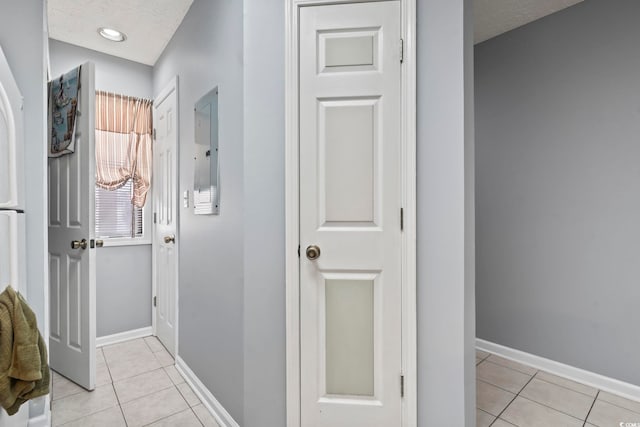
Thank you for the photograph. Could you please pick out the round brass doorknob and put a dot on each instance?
(313, 252)
(170, 239)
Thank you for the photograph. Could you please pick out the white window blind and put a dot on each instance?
(115, 215)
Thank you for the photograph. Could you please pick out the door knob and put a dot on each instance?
(79, 244)
(313, 252)
(99, 243)
(170, 239)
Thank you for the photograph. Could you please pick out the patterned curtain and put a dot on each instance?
(124, 144)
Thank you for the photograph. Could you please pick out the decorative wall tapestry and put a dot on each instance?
(63, 106)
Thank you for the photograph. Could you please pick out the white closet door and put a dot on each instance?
(350, 200)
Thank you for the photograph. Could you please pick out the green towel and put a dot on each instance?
(24, 373)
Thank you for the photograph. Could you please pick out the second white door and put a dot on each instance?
(350, 215)
(165, 256)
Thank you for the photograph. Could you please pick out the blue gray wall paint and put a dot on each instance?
(207, 51)
(445, 184)
(132, 278)
(113, 74)
(558, 179)
(22, 38)
(264, 239)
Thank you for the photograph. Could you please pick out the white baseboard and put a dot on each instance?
(42, 420)
(611, 385)
(124, 336)
(208, 400)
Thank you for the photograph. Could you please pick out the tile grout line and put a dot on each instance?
(511, 401)
(113, 385)
(591, 408)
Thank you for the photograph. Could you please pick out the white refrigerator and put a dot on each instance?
(12, 216)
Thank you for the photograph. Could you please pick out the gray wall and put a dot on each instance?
(558, 188)
(446, 274)
(207, 51)
(264, 240)
(22, 38)
(132, 277)
(123, 294)
(113, 74)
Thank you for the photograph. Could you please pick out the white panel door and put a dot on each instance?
(11, 139)
(350, 200)
(72, 274)
(165, 257)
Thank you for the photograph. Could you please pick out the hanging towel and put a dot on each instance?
(24, 373)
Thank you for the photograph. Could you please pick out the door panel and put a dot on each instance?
(72, 285)
(165, 208)
(350, 200)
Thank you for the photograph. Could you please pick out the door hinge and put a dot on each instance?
(401, 219)
(154, 134)
(155, 217)
(155, 301)
(401, 51)
(298, 251)
(401, 385)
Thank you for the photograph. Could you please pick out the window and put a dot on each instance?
(116, 217)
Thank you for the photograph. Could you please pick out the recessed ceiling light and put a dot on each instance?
(111, 34)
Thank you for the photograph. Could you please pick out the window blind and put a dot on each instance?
(115, 215)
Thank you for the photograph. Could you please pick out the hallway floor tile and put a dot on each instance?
(512, 394)
(138, 385)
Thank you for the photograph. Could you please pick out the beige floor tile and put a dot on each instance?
(511, 364)
(482, 354)
(174, 374)
(526, 413)
(153, 407)
(503, 377)
(492, 399)
(164, 358)
(483, 419)
(126, 368)
(125, 350)
(604, 414)
(102, 375)
(562, 399)
(205, 417)
(80, 405)
(111, 417)
(142, 385)
(182, 419)
(501, 423)
(63, 387)
(154, 344)
(478, 360)
(100, 358)
(631, 405)
(188, 394)
(563, 382)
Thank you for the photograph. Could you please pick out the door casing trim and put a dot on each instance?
(171, 86)
(292, 220)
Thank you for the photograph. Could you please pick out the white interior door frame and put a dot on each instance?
(171, 86)
(292, 187)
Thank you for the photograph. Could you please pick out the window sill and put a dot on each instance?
(109, 243)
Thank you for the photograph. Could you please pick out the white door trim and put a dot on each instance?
(292, 271)
(170, 87)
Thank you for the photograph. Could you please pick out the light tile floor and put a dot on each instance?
(137, 384)
(511, 394)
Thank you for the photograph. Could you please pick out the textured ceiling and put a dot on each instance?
(494, 17)
(148, 24)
